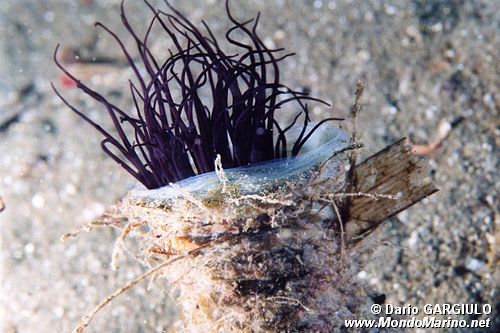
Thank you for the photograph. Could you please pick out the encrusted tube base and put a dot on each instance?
(253, 263)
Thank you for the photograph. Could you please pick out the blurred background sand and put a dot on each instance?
(423, 62)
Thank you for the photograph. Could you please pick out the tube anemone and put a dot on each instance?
(199, 102)
(255, 246)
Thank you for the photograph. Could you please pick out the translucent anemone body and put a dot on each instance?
(198, 102)
(259, 178)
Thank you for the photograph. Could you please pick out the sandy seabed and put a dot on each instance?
(423, 62)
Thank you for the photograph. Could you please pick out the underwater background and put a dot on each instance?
(423, 62)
